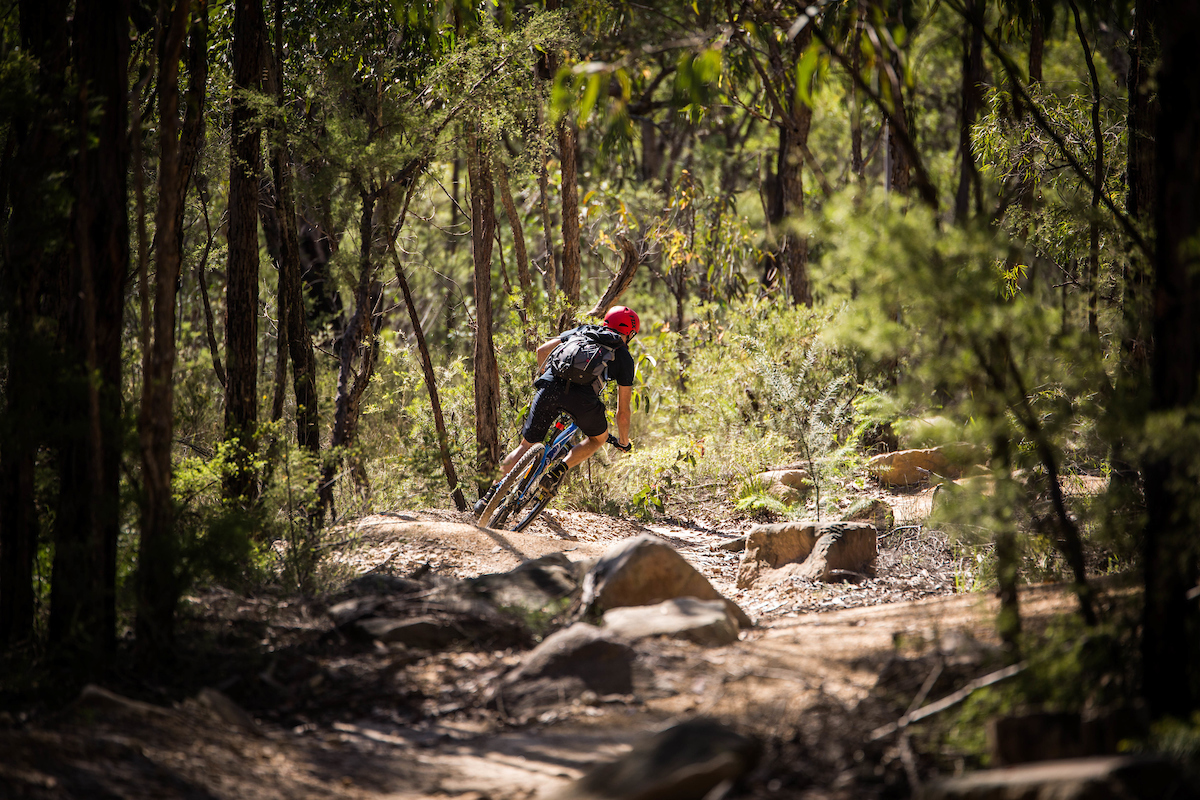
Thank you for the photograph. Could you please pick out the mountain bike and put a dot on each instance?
(520, 497)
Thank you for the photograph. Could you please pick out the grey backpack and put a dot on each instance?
(584, 357)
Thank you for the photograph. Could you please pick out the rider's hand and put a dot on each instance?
(624, 448)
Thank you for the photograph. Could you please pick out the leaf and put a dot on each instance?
(590, 96)
(806, 67)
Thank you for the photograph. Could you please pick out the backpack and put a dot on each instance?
(584, 357)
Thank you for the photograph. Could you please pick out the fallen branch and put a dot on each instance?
(948, 701)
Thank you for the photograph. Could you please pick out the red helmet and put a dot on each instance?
(622, 320)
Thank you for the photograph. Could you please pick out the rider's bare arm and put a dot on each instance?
(544, 352)
(624, 412)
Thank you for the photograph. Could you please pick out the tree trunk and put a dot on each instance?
(1171, 621)
(793, 139)
(439, 422)
(971, 103)
(514, 222)
(157, 575)
(487, 372)
(241, 304)
(358, 343)
(568, 147)
(34, 154)
(87, 521)
(299, 338)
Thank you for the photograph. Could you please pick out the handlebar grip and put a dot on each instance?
(619, 446)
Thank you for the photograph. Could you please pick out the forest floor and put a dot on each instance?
(318, 715)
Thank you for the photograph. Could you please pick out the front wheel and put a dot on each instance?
(531, 457)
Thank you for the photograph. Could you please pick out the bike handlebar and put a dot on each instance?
(616, 444)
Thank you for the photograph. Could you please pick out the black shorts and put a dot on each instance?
(576, 399)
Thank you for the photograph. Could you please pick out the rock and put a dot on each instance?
(536, 586)
(379, 583)
(579, 661)
(1105, 778)
(787, 485)
(686, 762)
(732, 546)
(598, 658)
(788, 546)
(706, 622)
(425, 633)
(910, 467)
(876, 511)
(842, 549)
(228, 711)
(429, 622)
(645, 570)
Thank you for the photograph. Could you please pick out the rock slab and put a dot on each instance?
(686, 762)
(706, 622)
(645, 570)
(910, 467)
(808, 550)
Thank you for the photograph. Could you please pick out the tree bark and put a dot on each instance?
(157, 575)
(359, 343)
(34, 154)
(487, 372)
(87, 521)
(294, 322)
(568, 147)
(971, 103)
(1140, 180)
(241, 304)
(1171, 620)
(514, 222)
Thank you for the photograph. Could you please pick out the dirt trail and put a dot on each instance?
(816, 653)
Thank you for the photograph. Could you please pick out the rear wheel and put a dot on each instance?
(531, 457)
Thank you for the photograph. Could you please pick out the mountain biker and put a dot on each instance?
(581, 401)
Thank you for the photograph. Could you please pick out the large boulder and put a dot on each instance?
(686, 762)
(645, 570)
(1105, 778)
(706, 622)
(788, 485)
(910, 467)
(786, 549)
(536, 587)
(577, 659)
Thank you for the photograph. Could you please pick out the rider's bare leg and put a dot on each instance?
(510, 460)
(584, 450)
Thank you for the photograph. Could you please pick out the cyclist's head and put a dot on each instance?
(623, 321)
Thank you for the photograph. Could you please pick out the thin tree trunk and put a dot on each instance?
(568, 146)
(1139, 180)
(971, 103)
(435, 403)
(241, 306)
(157, 585)
(87, 520)
(551, 276)
(352, 384)
(1093, 271)
(487, 372)
(620, 282)
(294, 322)
(514, 222)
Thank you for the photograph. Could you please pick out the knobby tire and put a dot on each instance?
(531, 456)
